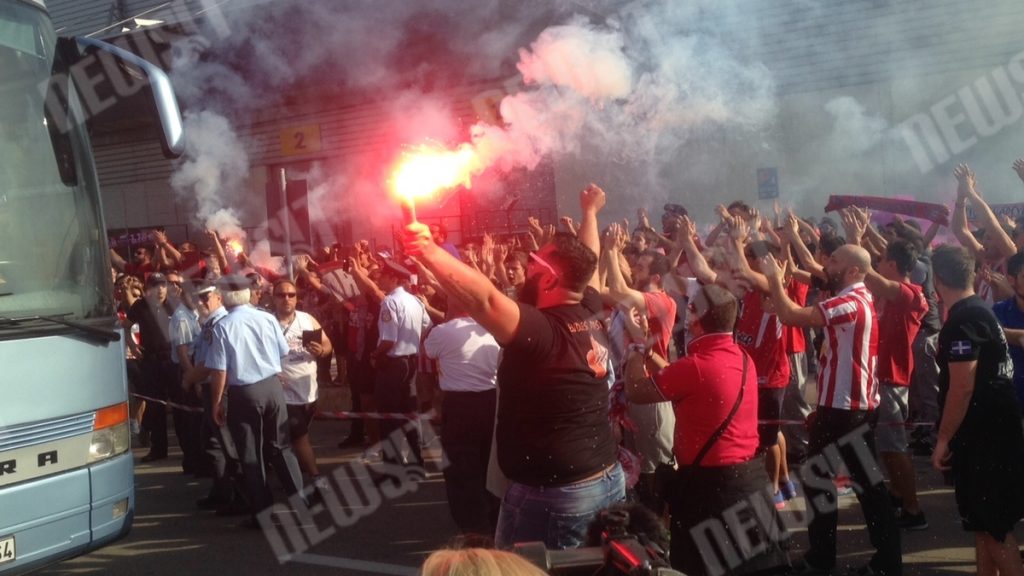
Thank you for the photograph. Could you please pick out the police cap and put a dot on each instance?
(233, 283)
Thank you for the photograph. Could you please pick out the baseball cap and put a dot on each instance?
(155, 279)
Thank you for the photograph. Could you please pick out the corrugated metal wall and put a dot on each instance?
(810, 47)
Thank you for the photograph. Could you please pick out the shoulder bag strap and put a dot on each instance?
(721, 429)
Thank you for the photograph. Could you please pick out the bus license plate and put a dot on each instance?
(7, 549)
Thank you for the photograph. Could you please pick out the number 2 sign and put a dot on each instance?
(297, 140)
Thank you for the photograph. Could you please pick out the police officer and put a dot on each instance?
(401, 323)
(245, 356)
(218, 447)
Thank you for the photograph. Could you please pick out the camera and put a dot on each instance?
(621, 552)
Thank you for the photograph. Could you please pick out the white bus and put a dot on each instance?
(66, 483)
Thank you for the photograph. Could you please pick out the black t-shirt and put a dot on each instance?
(553, 424)
(971, 332)
(154, 325)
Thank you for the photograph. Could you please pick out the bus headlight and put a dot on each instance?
(110, 435)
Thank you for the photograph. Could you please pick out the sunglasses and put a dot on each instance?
(534, 258)
(286, 295)
(205, 297)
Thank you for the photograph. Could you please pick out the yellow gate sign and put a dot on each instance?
(296, 140)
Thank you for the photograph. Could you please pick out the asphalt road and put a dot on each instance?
(393, 535)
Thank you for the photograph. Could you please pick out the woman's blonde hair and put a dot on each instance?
(478, 562)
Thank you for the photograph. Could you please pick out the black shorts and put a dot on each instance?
(769, 408)
(299, 418)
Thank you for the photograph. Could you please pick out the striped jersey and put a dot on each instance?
(846, 373)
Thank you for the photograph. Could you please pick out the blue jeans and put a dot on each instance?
(557, 515)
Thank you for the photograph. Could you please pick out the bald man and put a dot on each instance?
(847, 399)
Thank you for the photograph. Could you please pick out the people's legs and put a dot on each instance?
(245, 423)
(820, 491)
(857, 448)
(213, 452)
(924, 384)
(795, 407)
(891, 441)
(299, 417)
(559, 515)
(466, 443)
(155, 417)
(275, 434)
(388, 397)
(1003, 557)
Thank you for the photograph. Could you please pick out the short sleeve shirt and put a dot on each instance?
(846, 371)
(763, 337)
(466, 353)
(402, 321)
(703, 388)
(183, 329)
(971, 332)
(248, 345)
(661, 318)
(899, 321)
(553, 426)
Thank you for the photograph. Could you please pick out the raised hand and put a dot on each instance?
(568, 224)
(770, 266)
(592, 198)
(687, 229)
(965, 181)
(1018, 167)
(642, 221)
(159, 237)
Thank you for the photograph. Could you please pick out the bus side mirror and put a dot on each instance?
(172, 128)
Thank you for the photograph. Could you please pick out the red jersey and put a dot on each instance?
(795, 341)
(846, 373)
(761, 334)
(703, 387)
(661, 318)
(898, 323)
(141, 271)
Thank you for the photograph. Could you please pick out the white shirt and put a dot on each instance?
(184, 329)
(298, 368)
(467, 355)
(402, 321)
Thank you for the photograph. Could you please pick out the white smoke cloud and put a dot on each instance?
(212, 171)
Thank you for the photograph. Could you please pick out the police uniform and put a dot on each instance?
(248, 345)
(217, 445)
(402, 320)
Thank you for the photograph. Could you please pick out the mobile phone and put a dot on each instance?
(309, 336)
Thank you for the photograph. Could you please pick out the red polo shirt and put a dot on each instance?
(703, 387)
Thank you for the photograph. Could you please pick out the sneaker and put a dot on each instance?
(788, 490)
(371, 455)
(780, 501)
(913, 522)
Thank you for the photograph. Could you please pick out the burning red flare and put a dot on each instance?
(234, 246)
(427, 169)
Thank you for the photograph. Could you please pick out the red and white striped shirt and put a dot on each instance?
(846, 376)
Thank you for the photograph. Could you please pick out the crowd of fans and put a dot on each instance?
(575, 366)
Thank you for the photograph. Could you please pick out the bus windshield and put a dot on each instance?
(52, 258)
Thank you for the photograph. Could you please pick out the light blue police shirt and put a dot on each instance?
(183, 330)
(206, 337)
(248, 345)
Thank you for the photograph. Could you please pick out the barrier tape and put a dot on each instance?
(169, 403)
(348, 415)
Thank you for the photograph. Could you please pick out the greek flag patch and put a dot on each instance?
(961, 347)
